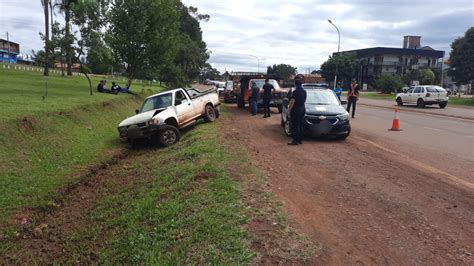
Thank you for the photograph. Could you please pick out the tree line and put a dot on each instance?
(142, 39)
(461, 63)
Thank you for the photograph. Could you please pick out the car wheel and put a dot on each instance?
(399, 101)
(288, 127)
(443, 105)
(420, 103)
(280, 109)
(168, 135)
(209, 113)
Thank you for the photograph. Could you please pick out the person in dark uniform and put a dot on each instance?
(297, 111)
(352, 96)
(268, 89)
(255, 92)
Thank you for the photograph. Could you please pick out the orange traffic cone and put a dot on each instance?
(396, 122)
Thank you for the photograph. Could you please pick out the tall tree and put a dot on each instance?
(346, 64)
(191, 54)
(45, 4)
(283, 70)
(143, 36)
(461, 58)
(88, 16)
(65, 6)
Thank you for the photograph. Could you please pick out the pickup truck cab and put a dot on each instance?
(163, 114)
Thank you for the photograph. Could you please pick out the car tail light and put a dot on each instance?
(428, 94)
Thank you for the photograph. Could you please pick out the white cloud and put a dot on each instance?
(293, 32)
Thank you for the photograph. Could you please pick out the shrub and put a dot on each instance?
(389, 83)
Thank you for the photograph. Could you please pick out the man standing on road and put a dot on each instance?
(352, 96)
(296, 109)
(255, 91)
(268, 89)
(338, 90)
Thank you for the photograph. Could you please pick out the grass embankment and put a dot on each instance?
(186, 210)
(453, 99)
(179, 205)
(42, 142)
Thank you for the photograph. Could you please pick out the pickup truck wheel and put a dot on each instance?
(442, 105)
(168, 135)
(280, 109)
(209, 113)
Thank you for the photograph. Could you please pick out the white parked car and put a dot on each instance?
(424, 95)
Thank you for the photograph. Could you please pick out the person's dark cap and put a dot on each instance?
(299, 77)
(353, 79)
(339, 83)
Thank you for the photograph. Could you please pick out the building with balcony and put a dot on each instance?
(376, 61)
(9, 51)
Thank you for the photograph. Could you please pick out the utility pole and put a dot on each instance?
(8, 42)
(338, 46)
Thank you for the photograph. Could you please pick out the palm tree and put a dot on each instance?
(45, 4)
(65, 6)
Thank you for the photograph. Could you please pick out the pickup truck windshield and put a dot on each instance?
(321, 97)
(157, 102)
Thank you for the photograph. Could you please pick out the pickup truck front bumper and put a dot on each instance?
(138, 131)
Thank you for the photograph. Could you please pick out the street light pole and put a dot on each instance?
(338, 46)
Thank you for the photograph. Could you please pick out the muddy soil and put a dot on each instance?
(364, 203)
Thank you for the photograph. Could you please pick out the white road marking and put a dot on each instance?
(422, 165)
(435, 129)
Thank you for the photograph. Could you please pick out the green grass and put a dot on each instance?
(189, 212)
(43, 142)
(22, 92)
(461, 101)
(453, 100)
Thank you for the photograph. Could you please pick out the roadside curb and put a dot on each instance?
(417, 111)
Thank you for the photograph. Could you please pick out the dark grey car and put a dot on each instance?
(325, 116)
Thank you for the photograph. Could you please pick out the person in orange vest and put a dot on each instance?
(352, 96)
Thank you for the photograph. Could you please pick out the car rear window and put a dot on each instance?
(431, 89)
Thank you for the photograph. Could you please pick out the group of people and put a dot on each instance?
(114, 89)
(297, 108)
(268, 89)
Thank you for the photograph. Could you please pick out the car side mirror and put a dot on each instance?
(137, 111)
(343, 102)
(177, 102)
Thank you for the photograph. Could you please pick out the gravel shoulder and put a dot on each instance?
(362, 203)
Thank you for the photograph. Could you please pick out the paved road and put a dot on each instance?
(447, 143)
(379, 197)
(451, 110)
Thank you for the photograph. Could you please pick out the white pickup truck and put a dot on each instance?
(163, 114)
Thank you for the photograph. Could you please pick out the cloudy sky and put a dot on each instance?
(243, 34)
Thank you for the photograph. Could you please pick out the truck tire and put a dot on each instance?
(443, 105)
(168, 135)
(209, 113)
